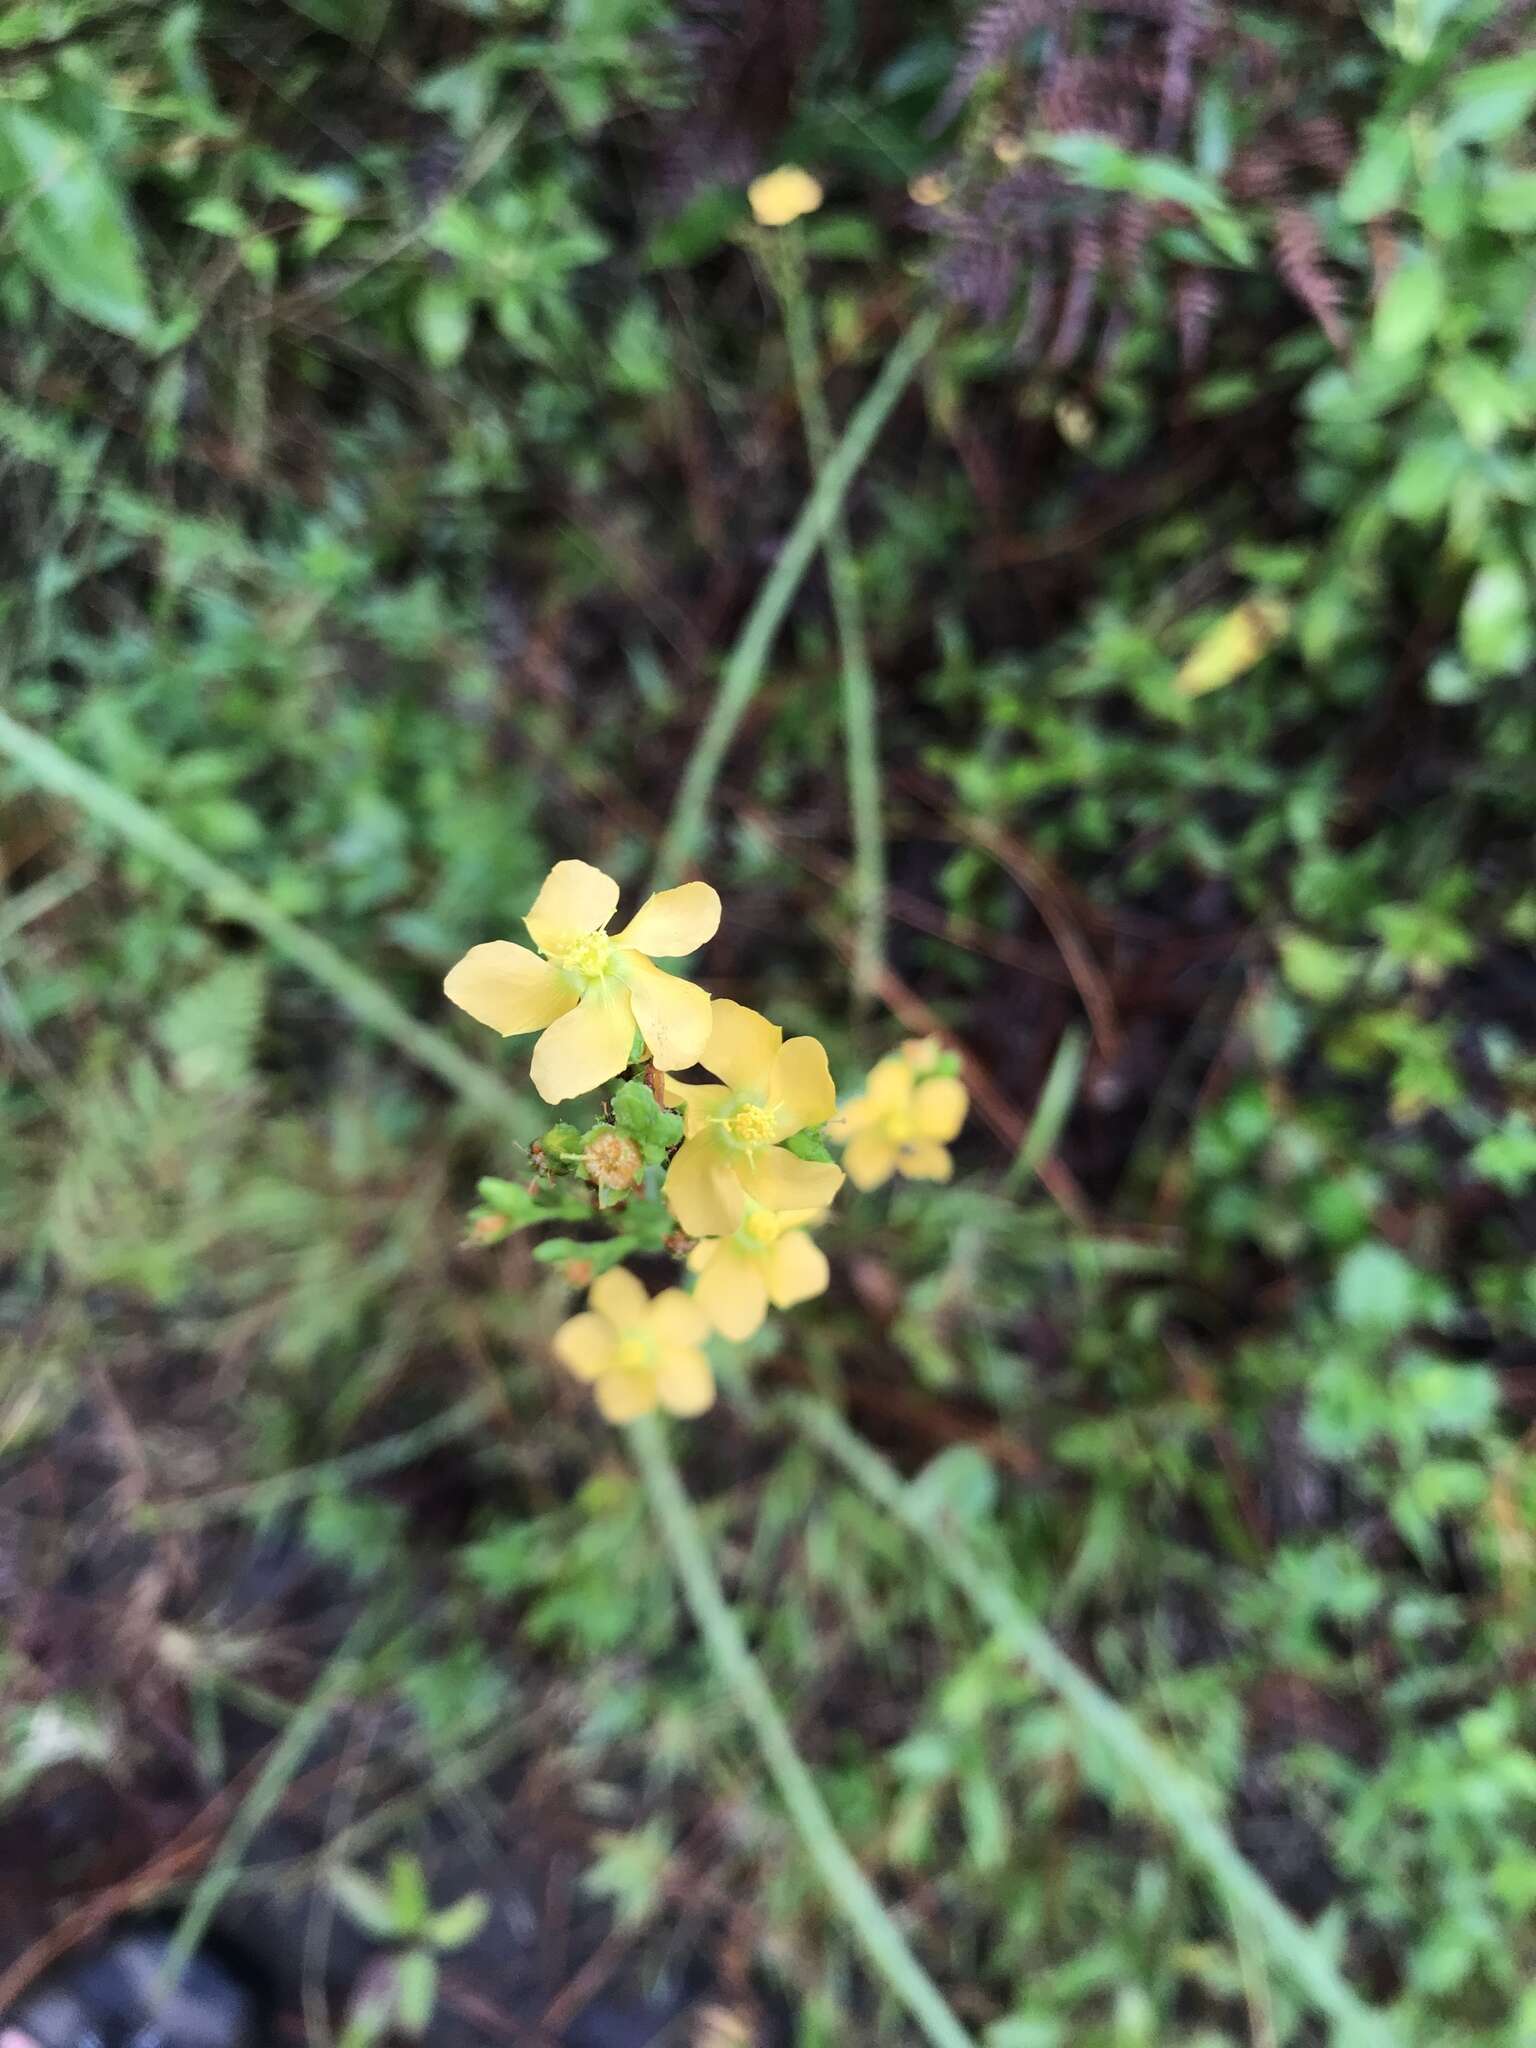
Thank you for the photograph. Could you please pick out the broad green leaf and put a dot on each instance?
(1496, 620)
(1492, 100)
(1380, 172)
(1410, 307)
(71, 225)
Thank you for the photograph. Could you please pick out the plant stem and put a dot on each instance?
(785, 262)
(229, 896)
(1179, 1800)
(852, 1893)
(743, 671)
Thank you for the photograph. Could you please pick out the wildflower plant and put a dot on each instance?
(726, 1176)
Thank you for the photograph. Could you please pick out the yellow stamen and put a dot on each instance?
(586, 956)
(633, 1354)
(750, 1125)
(761, 1227)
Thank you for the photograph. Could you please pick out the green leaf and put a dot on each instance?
(1376, 1289)
(457, 1925)
(1315, 969)
(415, 1991)
(809, 1145)
(408, 1893)
(1491, 100)
(1496, 620)
(1410, 308)
(960, 1483)
(703, 226)
(640, 1116)
(1094, 161)
(1380, 172)
(554, 1251)
(1484, 398)
(441, 321)
(71, 224)
(365, 1903)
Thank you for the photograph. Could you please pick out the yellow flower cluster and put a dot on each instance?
(733, 1184)
(905, 1120)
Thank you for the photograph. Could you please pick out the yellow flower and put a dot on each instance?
(902, 1122)
(638, 1351)
(772, 1258)
(780, 196)
(592, 990)
(733, 1135)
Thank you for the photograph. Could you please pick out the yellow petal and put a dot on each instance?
(619, 1296)
(780, 196)
(779, 1180)
(673, 1015)
(870, 1158)
(701, 1190)
(703, 1255)
(700, 1101)
(797, 1270)
(587, 1046)
(673, 922)
(508, 988)
(734, 1294)
(742, 1046)
(584, 1346)
(925, 1161)
(624, 1395)
(575, 899)
(800, 1089)
(890, 1084)
(676, 1320)
(939, 1106)
(685, 1383)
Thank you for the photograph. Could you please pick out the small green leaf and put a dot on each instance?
(71, 225)
(415, 1991)
(809, 1145)
(1376, 1289)
(440, 321)
(457, 1925)
(408, 1893)
(554, 1251)
(366, 1904)
(1496, 620)
(641, 1117)
(1315, 969)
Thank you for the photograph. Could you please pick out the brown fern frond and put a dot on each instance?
(990, 39)
(1077, 300)
(1196, 302)
(1299, 259)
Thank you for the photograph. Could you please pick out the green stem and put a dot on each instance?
(228, 896)
(851, 1891)
(861, 712)
(743, 671)
(1177, 1798)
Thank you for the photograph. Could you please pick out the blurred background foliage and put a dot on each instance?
(396, 426)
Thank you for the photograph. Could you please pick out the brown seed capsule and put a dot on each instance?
(610, 1160)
